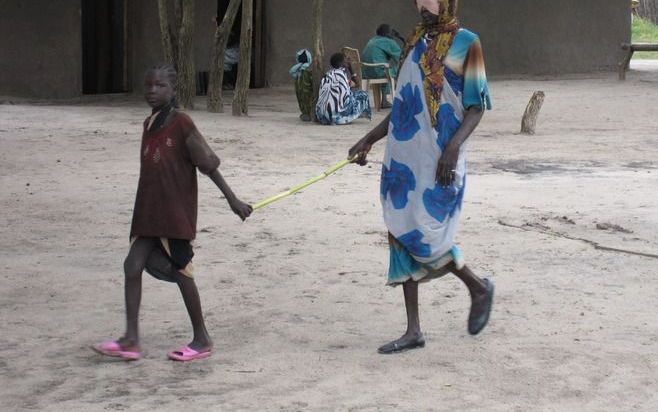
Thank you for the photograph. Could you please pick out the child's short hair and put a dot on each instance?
(168, 70)
(337, 60)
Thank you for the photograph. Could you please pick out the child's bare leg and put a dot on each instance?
(133, 267)
(201, 341)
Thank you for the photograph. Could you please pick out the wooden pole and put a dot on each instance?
(240, 104)
(318, 52)
(529, 121)
(215, 95)
(177, 46)
(186, 66)
(166, 32)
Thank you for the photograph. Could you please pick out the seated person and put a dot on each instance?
(231, 59)
(382, 49)
(303, 75)
(338, 101)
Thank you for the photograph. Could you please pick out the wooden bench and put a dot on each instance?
(631, 48)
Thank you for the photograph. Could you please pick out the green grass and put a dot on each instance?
(644, 31)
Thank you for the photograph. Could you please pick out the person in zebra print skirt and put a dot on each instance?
(338, 102)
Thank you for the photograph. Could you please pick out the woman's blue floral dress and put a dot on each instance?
(422, 217)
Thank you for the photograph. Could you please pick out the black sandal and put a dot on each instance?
(477, 322)
(395, 347)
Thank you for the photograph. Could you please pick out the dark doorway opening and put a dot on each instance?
(104, 51)
(258, 41)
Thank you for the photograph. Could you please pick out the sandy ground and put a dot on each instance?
(295, 298)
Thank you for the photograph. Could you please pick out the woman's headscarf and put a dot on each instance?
(440, 38)
(304, 61)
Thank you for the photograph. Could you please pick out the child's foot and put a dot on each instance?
(194, 350)
(118, 349)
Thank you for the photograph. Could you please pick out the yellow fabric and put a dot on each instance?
(440, 37)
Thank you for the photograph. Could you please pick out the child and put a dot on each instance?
(164, 218)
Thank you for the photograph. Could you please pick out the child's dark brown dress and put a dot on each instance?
(166, 201)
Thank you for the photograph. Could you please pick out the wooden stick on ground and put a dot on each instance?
(529, 121)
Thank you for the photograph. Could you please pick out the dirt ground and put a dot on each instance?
(564, 223)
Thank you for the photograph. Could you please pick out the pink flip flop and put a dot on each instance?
(186, 353)
(112, 348)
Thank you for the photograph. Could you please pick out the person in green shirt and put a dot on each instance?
(383, 48)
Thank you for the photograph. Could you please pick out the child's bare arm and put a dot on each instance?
(207, 162)
(238, 207)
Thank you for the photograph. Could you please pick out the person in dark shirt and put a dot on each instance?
(165, 213)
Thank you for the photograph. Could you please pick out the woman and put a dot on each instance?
(441, 96)
(337, 102)
(303, 76)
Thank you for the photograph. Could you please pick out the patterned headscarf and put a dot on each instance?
(440, 37)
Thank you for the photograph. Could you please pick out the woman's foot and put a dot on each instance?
(481, 304)
(406, 342)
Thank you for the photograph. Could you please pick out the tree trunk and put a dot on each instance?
(318, 52)
(186, 66)
(166, 32)
(240, 103)
(648, 9)
(215, 95)
(177, 45)
(529, 121)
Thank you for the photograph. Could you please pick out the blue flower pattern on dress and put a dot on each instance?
(420, 48)
(397, 182)
(420, 215)
(441, 202)
(412, 242)
(446, 125)
(408, 103)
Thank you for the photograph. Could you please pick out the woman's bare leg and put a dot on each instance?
(481, 291)
(413, 337)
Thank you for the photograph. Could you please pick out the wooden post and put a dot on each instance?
(318, 52)
(166, 32)
(177, 45)
(531, 112)
(240, 103)
(215, 94)
(186, 66)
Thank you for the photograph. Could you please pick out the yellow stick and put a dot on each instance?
(295, 189)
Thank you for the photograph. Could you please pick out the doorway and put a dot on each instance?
(104, 46)
(258, 40)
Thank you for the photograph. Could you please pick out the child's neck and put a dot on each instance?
(158, 117)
